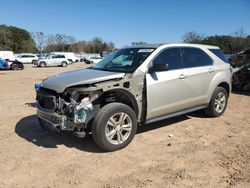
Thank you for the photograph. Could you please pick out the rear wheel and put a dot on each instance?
(14, 66)
(64, 64)
(114, 127)
(218, 102)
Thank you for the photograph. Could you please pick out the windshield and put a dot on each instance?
(124, 60)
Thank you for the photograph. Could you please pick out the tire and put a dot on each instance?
(118, 130)
(14, 67)
(42, 64)
(64, 64)
(218, 102)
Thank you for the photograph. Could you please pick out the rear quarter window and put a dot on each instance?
(219, 54)
(195, 57)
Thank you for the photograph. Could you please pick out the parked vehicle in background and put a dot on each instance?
(13, 65)
(69, 55)
(91, 60)
(241, 76)
(104, 54)
(53, 60)
(40, 56)
(135, 85)
(241, 58)
(26, 58)
(8, 55)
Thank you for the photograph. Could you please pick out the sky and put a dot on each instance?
(126, 21)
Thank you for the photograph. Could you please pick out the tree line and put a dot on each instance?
(60, 42)
(16, 39)
(19, 40)
(230, 44)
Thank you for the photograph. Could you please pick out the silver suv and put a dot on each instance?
(134, 86)
(53, 60)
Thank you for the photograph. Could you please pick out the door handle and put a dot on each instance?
(210, 70)
(182, 76)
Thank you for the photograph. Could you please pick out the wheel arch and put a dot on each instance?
(226, 86)
(222, 83)
(42, 62)
(122, 96)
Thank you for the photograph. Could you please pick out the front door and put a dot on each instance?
(167, 91)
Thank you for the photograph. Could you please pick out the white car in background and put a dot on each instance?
(26, 58)
(53, 60)
(69, 55)
(93, 59)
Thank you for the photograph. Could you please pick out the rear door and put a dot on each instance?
(200, 72)
(61, 58)
(53, 60)
(31, 58)
(167, 91)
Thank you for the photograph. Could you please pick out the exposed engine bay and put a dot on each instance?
(74, 109)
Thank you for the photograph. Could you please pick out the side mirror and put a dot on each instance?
(158, 68)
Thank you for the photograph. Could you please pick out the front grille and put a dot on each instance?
(46, 100)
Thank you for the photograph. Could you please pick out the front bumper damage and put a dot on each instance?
(51, 120)
(55, 114)
(56, 123)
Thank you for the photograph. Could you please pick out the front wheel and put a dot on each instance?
(114, 127)
(218, 102)
(42, 64)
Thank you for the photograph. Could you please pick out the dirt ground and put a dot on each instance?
(187, 151)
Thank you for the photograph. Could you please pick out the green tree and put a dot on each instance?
(230, 44)
(16, 39)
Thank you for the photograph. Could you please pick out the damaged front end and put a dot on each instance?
(69, 111)
(75, 108)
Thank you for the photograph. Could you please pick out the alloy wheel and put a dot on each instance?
(118, 128)
(220, 102)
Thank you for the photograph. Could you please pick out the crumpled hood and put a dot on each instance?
(60, 82)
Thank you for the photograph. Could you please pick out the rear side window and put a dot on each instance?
(219, 54)
(54, 56)
(194, 57)
(170, 56)
(58, 56)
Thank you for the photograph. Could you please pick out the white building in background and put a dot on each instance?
(7, 55)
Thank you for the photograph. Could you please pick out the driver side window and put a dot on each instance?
(170, 57)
